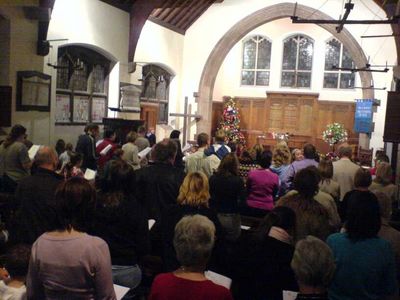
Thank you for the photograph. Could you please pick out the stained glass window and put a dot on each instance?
(256, 61)
(337, 55)
(98, 79)
(62, 73)
(297, 61)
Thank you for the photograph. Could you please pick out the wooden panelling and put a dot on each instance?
(303, 116)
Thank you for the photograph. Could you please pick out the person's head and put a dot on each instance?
(297, 154)
(313, 264)
(229, 165)
(174, 134)
(362, 179)
(265, 159)
(381, 157)
(93, 129)
(306, 182)
(17, 134)
(385, 204)
(281, 155)
(220, 136)
(282, 217)
(60, 146)
(325, 168)
(75, 159)
(384, 173)
(121, 176)
(363, 216)
(151, 130)
(17, 260)
(75, 202)
(46, 158)
(345, 151)
(69, 147)
(165, 151)
(141, 130)
(193, 241)
(203, 140)
(110, 134)
(309, 151)
(131, 137)
(194, 190)
(245, 157)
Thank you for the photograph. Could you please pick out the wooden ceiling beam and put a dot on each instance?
(194, 8)
(196, 14)
(184, 10)
(156, 12)
(181, 4)
(167, 10)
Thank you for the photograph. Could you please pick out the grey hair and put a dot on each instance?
(194, 240)
(45, 155)
(313, 262)
(345, 150)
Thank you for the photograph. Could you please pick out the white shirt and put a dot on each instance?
(12, 293)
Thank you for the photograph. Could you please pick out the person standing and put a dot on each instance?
(141, 142)
(87, 146)
(195, 161)
(150, 135)
(344, 171)
(14, 159)
(105, 150)
(131, 151)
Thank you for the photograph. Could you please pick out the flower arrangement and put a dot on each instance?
(334, 134)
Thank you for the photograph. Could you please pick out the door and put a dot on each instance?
(149, 114)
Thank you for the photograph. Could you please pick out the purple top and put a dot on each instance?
(294, 167)
(70, 268)
(262, 185)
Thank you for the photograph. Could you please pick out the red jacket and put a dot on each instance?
(105, 158)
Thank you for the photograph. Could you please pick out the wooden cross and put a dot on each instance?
(187, 115)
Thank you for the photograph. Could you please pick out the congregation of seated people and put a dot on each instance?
(214, 221)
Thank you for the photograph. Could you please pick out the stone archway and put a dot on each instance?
(254, 20)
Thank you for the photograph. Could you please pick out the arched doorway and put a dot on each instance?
(254, 20)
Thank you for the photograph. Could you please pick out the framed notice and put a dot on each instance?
(63, 108)
(33, 91)
(98, 109)
(81, 109)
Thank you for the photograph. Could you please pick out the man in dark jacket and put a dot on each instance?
(35, 198)
(158, 184)
(87, 146)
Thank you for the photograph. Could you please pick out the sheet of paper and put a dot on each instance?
(120, 291)
(144, 152)
(186, 148)
(99, 142)
(289, 295)
(32, 151)
(151, 223)
(218, 279)
(244, 227)
(90, 174)
(106, 150)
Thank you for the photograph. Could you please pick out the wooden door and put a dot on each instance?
(149, 114)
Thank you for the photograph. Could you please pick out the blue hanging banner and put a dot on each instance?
(363, 116)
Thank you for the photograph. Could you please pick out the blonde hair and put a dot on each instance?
(383, 173)
(281, 155)
(194, 190)
(131, 137)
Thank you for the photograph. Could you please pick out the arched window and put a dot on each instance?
(256, 61)
(297, 61)
(337, 55)
(82, 75)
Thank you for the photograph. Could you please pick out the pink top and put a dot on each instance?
(262, 185)
(167, 286)
(76, 267)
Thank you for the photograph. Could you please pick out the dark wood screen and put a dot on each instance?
(5, 105)
(392, 121)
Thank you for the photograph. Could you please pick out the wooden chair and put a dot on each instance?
(365, 156)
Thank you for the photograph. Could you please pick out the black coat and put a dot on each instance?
(86, 145)
(157, 187)
(35, 201)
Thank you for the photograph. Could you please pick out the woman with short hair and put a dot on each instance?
(67, 263)
(193, 199)
(131, 151)
(314, 266)
(383, 183)
(262, 187)
(365, 263)
(226, 189)
(193, 242)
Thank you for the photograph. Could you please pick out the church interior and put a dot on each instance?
(284, 72)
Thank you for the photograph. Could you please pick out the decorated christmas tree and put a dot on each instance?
(230, 122)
